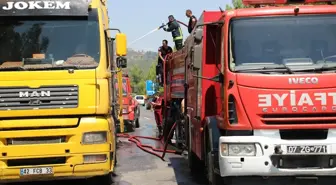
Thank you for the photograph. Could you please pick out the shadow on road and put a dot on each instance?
(182, 173)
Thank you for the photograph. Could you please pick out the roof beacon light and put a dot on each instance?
(277, 2)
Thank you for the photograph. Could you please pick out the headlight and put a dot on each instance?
(238, 149)
(94, 137)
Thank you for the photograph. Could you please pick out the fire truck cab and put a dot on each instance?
(259, 94)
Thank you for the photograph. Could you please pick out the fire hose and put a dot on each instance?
(150, 149)
(163, 25)
(147, 148)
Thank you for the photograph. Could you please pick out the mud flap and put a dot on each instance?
(306, 180)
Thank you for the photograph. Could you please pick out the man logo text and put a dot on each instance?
(39, 5)
(26, 94)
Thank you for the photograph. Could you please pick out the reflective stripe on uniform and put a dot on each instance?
(179, 37)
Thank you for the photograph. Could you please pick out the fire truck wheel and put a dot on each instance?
(212, 176)
(137, 124)
(166, 129)
(130, 126)
(195, 165)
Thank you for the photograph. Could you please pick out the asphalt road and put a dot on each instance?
(136, 167)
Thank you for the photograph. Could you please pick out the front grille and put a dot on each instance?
(303, 161)
(36, 140)
(286, 119)
(36, 161)
(45, 97)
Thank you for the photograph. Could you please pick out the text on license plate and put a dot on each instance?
(304, 149)
(36, 171)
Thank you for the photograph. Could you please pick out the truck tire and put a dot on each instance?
(137, 124)
(166, 129)
(102, 180)
(115, 149)
(130, 125)
(212, 176)
(195, 165)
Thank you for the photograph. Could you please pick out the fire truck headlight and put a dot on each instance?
(238, 149)
(94, 137)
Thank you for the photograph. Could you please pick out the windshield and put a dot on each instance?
(139, 97)
(287, 41)
(49, 43)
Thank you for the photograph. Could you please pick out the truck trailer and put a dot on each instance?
(252, 93)
(56, 73)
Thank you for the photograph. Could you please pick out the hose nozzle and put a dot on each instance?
(163, 25)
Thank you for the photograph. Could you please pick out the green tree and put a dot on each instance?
(236, 4)
(137, 79)
(151, 75)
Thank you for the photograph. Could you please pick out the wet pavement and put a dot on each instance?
(136, 167)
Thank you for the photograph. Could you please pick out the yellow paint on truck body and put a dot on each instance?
(93, 114)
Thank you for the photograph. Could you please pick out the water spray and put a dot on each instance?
(154, 30)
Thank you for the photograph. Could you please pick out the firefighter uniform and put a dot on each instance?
(177, 34)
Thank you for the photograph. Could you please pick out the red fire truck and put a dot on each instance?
(253, 93)
(130, 107)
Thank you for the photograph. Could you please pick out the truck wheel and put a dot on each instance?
(115, 150)
(137, 124)
(102, 180)
(195, 165)
(212, 176)
(166, 129)
(130, 126)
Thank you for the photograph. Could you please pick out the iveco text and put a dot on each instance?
(21, 5)
(303, 80)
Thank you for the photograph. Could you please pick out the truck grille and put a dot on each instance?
(303, 161)
(45, 97)
(283, 119)
(36, 161)
(36, 140)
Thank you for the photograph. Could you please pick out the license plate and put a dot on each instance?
(36, 171)
(306, 149)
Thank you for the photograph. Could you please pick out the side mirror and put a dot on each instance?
(121, 44)
(198, 34)
(121, 62)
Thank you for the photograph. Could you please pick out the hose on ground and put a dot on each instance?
(150, 149)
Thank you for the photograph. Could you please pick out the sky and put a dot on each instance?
(136, 18)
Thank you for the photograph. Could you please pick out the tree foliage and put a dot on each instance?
(138, 78)
(235, 5)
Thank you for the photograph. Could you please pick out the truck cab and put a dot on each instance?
(258, 93)
(55, 85)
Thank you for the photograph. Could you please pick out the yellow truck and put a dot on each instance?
(56, 69)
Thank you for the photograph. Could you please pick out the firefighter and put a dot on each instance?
(156, 104)
(163, 51)
(174, 27)
(192, 20)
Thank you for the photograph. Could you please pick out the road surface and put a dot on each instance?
(136, 167)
